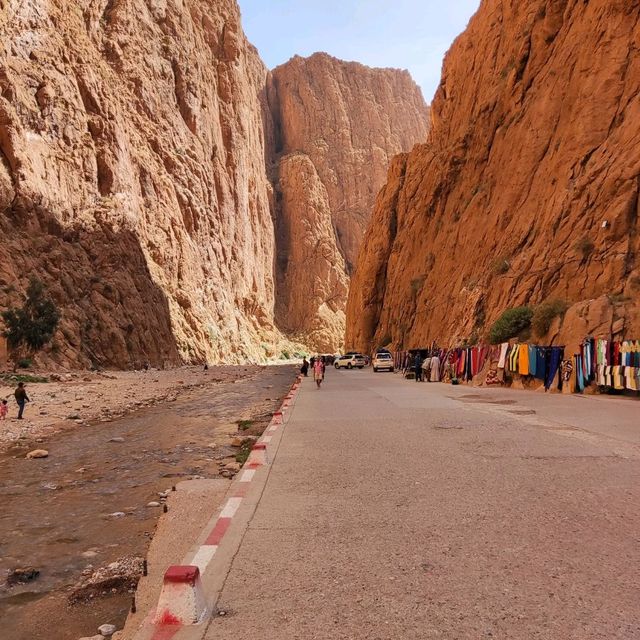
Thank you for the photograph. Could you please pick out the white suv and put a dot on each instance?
(350, 361)
(383, 361)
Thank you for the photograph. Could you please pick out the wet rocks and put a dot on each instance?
(21, 576)
(37, 453)
(117, 577)
(107, 630)
(241, 441)
(234, 467)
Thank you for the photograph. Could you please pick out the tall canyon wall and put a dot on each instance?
(338, 124)
(137, 149)
(132, 176)
(527, 189)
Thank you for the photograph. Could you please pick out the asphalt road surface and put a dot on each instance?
(398, 510)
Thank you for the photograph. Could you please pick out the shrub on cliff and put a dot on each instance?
(510, 324)
(544, 315)
(31, 326)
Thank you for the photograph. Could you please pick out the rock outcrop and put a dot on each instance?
(526, 190)
(337, 126)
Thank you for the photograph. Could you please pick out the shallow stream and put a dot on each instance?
(55, 511)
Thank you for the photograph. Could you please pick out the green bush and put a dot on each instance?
(31, 326)
(24, 363)
(544, 315)
(512, 323)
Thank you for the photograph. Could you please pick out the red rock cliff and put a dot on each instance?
(338, 124)
(526, 190)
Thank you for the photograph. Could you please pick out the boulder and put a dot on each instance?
(37, 453)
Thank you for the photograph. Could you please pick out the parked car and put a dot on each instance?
(350, 360)
(383, 361)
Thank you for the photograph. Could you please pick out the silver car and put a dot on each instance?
(350, 361)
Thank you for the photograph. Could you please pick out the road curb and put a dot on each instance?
(185, 606)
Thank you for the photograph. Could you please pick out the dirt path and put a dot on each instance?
(56, 511)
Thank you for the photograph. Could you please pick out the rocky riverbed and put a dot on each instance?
(92, 505)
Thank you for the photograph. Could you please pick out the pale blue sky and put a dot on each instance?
(409, 34)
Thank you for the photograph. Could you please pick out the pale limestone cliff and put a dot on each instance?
(132, 177)
(527, 189)
(348, 121)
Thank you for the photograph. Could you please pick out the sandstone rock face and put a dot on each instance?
(337, 125)
(133, 180)
(526, 190)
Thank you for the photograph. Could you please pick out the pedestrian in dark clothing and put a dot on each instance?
(418, 368)
(312, 362)
(21, 398)
(304, 369)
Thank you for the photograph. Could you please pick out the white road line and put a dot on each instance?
(203, 556)
(231, 507)
(247, 475)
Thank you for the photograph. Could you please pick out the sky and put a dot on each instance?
(408, 34)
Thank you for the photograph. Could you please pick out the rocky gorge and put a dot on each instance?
(526, 190)
(181, 202)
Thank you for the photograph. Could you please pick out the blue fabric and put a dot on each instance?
(21, 405)
(541, 363)
(532, 360)
(579, 374)
(555, 358)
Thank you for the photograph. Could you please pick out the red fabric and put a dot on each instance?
(461, 362)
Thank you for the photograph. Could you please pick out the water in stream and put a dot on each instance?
(55, 511)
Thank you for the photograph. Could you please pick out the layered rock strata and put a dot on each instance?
(526, 190)
(338, 124)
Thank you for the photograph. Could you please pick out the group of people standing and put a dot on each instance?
(317, 366)
(426, 369)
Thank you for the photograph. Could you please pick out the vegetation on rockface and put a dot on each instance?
(544, 315)
(500, 266)
(31, 326)
(585, 247)
(417, 284)
(512, 323)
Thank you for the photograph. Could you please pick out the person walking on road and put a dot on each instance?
(21, 398)
(304, 369)
(318, 371)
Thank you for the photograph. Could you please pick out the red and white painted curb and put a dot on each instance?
(182, 600)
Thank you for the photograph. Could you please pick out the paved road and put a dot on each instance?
(397, 510)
